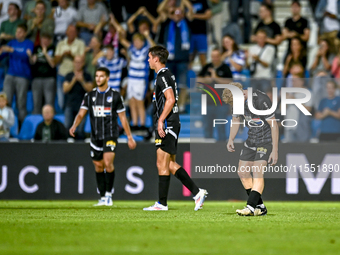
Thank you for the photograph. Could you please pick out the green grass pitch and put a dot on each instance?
(75, 227)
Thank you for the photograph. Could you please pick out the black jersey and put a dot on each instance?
(165, 80)
(103, 108)
(259, 129)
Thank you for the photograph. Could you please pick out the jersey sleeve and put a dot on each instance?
(120, 107)
(85, 102)
(164, 83)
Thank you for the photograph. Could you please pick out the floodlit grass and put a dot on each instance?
(76, 227)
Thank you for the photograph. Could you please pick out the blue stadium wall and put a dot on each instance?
(65, 171)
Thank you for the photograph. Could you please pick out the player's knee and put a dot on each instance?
(109, 167)
(173, 166)
(99, 168)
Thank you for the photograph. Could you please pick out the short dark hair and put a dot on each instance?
(296, 2)
(103, 69)
(15, 5)
(161, 52)
(262, 31)
(40, 2)
(46, 35)
(22, 26)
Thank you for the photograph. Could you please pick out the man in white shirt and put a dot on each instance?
(260, 57)
(64, 15)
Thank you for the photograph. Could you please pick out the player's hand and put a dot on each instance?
(72, 130)
(230, 146)
(132, 143)
(160, 129)
(273, 158)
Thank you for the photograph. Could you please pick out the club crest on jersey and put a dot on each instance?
(101, 111)
(153, 97)
(158, 141)
(111, 144)
(109, 99)
(93, 99)
(262, 151)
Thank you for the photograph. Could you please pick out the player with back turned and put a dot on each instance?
(167, 124)
(104, 105)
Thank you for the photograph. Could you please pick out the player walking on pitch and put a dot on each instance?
(260, 148)
(104, 105)
(166, 119)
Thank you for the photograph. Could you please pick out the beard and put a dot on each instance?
(101, 84)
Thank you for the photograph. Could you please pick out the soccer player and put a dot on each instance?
(167, 124)
(104, 105)
(260, 148)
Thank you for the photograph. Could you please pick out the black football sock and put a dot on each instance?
(101, 183)
(163, 188)
(253, 200)
(248, 191)
(183, 176)
(110, 177)
(260, 202)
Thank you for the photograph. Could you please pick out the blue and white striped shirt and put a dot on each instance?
(139, 66)
(239, 58)
(115, 66)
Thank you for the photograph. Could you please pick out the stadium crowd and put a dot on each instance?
(52, 49)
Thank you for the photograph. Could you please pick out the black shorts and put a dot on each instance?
(169, 142)
(256, 153)
(98, 147)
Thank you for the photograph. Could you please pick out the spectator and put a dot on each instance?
(296, 26)
(233, 56)
(259, 60)
(115, 64)
(92, 53)
(6, 118)
(234, 14)
(329, 114)
(143, 24)
(4, 4)
(39, 24)
(268, 24)
(18, 76)
(65, 52)
(44, 73)
(138, 75)
(297, 55)
(112, 36)
(216, 21)
(336, 66)
(8, 27)
(199, 30)
(302, 131)
(215, 72)
(88, 17)
(50, 129)
(177, 40)
(323, 59)
(76, 84)
(64, 15)
(327, 15)
(29, 8)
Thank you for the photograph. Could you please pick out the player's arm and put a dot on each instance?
(169, 104)
(233, 132)
(80, 116)
(275, 139)
(125, 123)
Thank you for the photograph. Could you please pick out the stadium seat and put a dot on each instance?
(60, 117)
(15, 128)
(29, 126)
(29, 102)
(316, 128)
(87, 127)
(2, 78)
